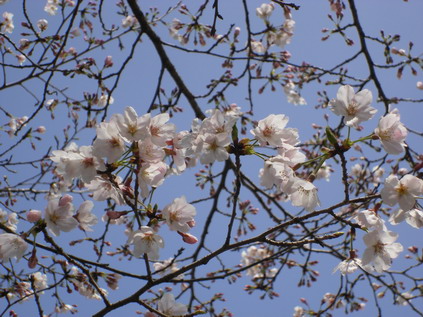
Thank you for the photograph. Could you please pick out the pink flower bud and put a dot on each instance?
(419, 85)
(33, 215)
(33, 260)
(108, 62)
(112, 215)
(188, 238)
(65, 200)
(41, 129)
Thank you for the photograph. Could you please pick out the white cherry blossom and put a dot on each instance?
(159, 130)
(11, 246)
(265, 10)
(413, 217)
(303, 194)
(59, 215)
(7, 24)
(369, 219)
(40, 280)
(146, 241)
(355, 107)
(271, 131)
(402, 192)
(85, 217)
(292, 94)
(381, 249)
(392, 133)
(102, 189)
(168, 306)
(348, 266)
(214, 148)
(179, 215)
(151, 174)
(109, 142)
(132, 127)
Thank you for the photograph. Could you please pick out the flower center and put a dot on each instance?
(352, 108)
(268, 131)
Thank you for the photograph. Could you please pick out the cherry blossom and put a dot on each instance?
(11, 246)
(355, 107)
(292, 95)
(392, 133)
(303, 194)
(168, 306)
(276, 172)
(348, 266)
(59, 215)
(7, 25)
(403, 299)
(381, 249)
(214, 148)
(132, 127)
(271, 131)
(265, 10)
(40, 280)
(369, 219)
(42, 24)
(146, 241)
(151, 174)
(403, 191)
(179, 215)
(85, 217)
(254, 254)
(102, 101)
(102, 189)
(76, 162)
(51, 7)
(167, 267)
(159, 130)
(281, 37)
(413, 217)
(109, 142)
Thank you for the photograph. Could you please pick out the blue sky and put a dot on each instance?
(137, 86)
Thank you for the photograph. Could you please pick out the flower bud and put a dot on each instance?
(108, 62)
(42, 24)
(65, 200)
(41, 129)
(188, 238)
(33, 215)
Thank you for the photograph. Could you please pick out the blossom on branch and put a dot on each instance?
(392, 133)
(355, 107)
(179, 215)
(146, 241)
(381, 249)
(11, 246)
